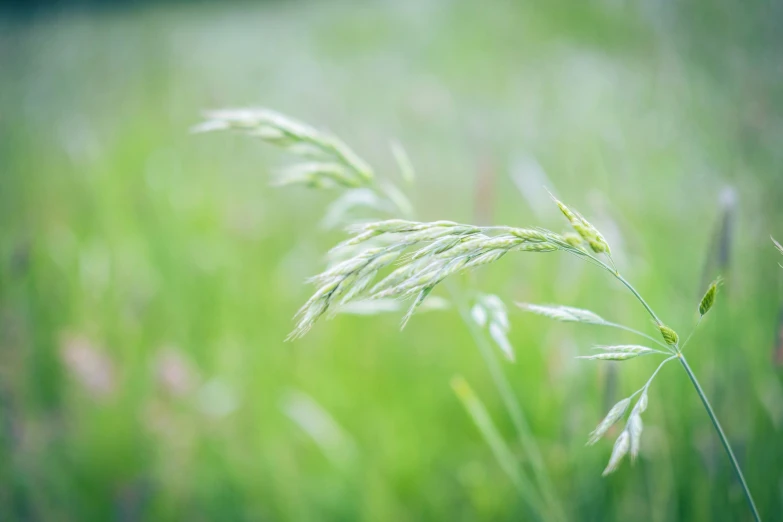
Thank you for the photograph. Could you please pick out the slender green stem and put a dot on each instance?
(629, 286)
(724, 440)
(691, 334)
(637, 332)
(638, 296)
(650, 380)
(526, 438)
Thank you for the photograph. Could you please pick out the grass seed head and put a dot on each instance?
(615, 414)
(669, 335)
(641, 404)
(621, 447)
(584, 228)
(634, 428)
(573, 239)
(709, 297)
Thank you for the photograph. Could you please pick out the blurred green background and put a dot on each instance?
(149, 275)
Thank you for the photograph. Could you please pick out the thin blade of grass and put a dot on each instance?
(502, 453)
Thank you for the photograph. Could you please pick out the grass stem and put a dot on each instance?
(724, 440)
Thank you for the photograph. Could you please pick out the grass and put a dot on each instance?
(442, 249)
(120, 228)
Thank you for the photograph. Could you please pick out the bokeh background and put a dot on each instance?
(149, 275)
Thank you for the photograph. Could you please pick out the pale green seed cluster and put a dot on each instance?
(330, 162)
(669, 335)
(566, 314)
(619, 353)
(584, 228)
(439, 249)
(630, 438)
(709, 297)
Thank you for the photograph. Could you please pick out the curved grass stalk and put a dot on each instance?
(723, 439)
(707, 406)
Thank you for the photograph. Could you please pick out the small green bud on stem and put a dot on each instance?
(669, 335)
(709, 297)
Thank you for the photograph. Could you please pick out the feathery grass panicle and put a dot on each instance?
(777, 245)
(297, 138)
(430, 252)
(709, 297)
(440, 249)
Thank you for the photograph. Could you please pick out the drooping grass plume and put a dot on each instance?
(369, 195)
(330, 161)
(427, 253)
(437, 250)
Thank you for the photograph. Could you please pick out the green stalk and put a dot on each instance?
(724, 440)
(638, 296)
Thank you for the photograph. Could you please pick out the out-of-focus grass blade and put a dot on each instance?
(323, 429)
(503, 454)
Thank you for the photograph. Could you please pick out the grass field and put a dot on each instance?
(149, 276)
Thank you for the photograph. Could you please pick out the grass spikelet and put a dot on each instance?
(634, 428)
(621, 447)
(777, 245)
(609, 356)
(641, 404)
(584, 228)
(563, 313)
(619, 353)
(573, 239)
(669, 335)
(628, 348)
(709, 297)
(615, 414)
